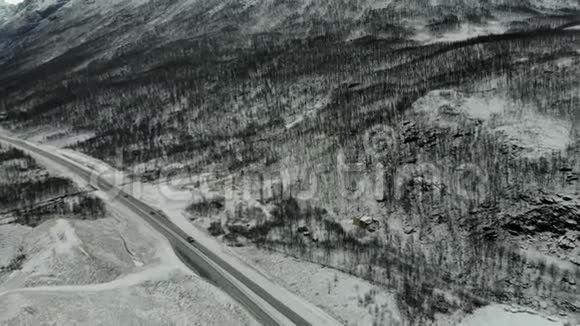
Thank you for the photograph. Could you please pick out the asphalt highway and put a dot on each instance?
(257, 300)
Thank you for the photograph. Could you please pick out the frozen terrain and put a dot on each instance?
(347, 298)
(504, 316)
(519, 125)
(373, 160)
(109, 271)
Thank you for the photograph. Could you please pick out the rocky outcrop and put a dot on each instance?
(548, 216)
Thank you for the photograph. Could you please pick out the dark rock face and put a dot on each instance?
(557, 218)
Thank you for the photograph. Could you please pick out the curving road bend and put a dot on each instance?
(262, 304)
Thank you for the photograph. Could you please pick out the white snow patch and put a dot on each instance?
(64, 236)
(499, 315)
(177, 301)
(537, 134)
(157, 273)
(448, 107)
(379, 4)
(520, 124)
(217, 8)
(484, 109)
(464, 32)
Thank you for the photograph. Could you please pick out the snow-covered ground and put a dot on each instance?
(177, 299)
(115, 270)
(173, 200)
(347, 298)
(108, 272)
(500, 315)
(352, 300)
(521, 125)
(301, 280)
(465, 31)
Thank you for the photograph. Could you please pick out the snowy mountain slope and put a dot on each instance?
(6, 11)
(452, 95)
(41, 30)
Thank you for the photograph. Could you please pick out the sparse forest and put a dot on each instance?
(469, 149)
(29, 195)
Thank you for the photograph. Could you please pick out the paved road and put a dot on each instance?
(258, 301)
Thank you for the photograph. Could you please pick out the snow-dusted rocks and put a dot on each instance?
(519, 125)
(6, 11)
